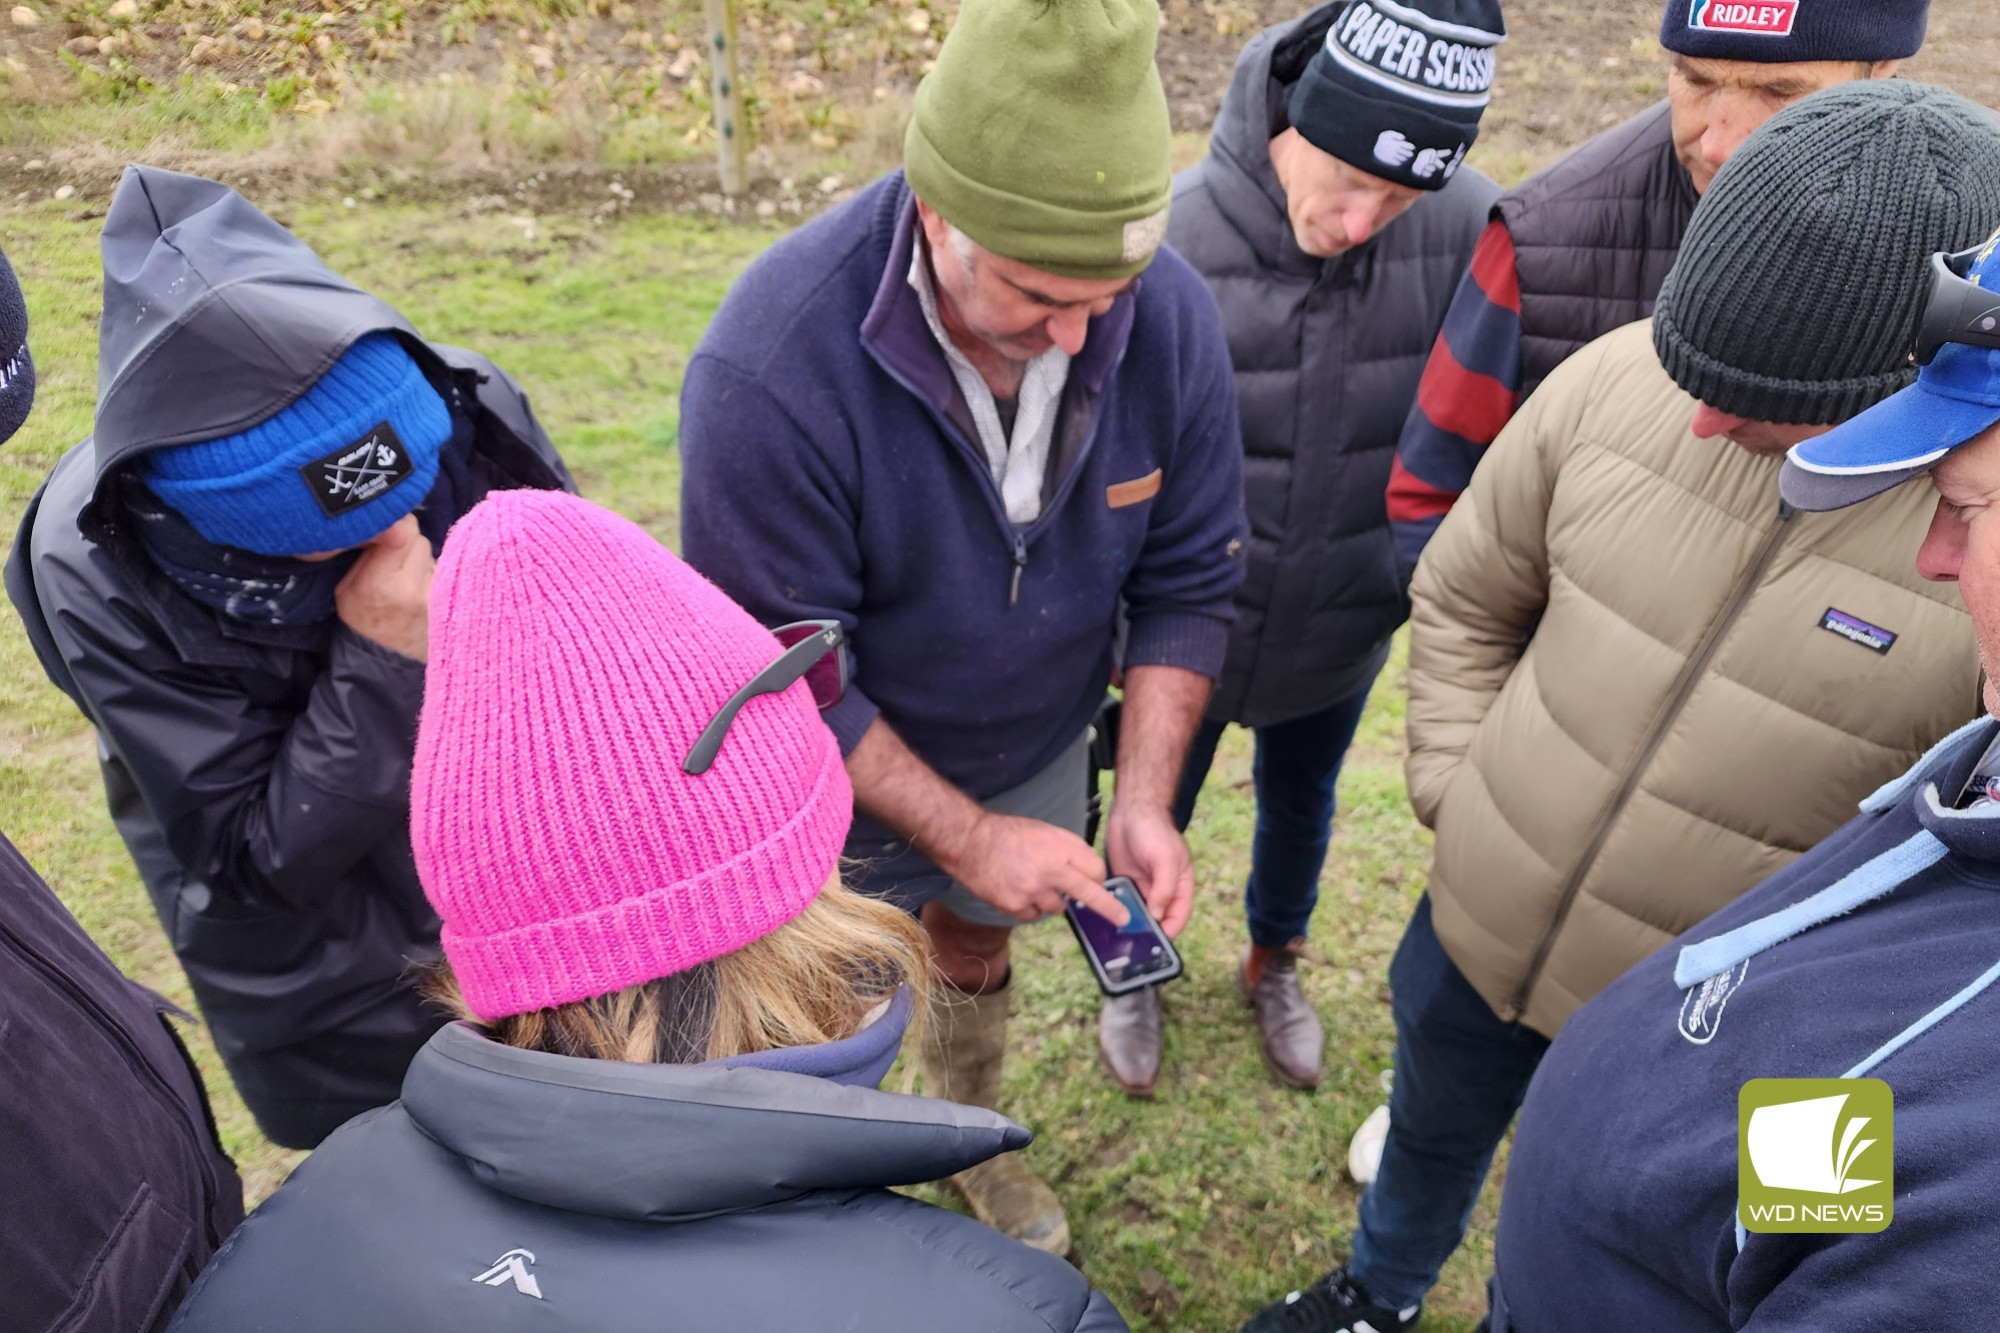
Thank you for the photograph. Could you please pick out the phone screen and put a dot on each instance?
(1136, 949)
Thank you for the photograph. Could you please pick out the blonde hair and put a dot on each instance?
(813, 980)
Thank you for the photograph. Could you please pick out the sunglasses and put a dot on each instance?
(815, 652)
(1957, 310)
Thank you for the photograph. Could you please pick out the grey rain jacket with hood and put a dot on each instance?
(513, 1189)
(259, 775)
(1327, 353)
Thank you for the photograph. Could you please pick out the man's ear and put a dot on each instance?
(936, 229)
(1884, 69)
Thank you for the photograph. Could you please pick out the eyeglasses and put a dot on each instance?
(815, 652)
(1957, 310)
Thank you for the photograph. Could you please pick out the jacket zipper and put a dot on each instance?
(1018, 538)
(83, 1000)
(1690, 676)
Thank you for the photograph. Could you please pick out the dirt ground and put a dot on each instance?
(1568, 69)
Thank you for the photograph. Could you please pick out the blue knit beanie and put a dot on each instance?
(355, 453)
(1782, 31)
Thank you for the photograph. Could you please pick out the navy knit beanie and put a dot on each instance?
(17, 368)
(1803, 274)
(1781, 31)
(356, 452)
(1398, 89)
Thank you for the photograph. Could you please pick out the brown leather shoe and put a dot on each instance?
(1288, 1030)
(1128, 1040)
(961, 1060)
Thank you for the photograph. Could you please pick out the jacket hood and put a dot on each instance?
(665, 1143)
(200, 288)
(1253, 112)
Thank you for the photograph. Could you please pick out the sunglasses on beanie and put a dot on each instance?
(815, 652)
(1958, 310)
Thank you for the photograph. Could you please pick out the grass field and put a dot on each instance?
(1190, 1209)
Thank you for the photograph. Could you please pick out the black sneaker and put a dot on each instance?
(1332, 1305)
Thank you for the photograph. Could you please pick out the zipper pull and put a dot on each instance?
(1020, 563)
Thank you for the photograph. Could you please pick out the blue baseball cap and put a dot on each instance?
(1956, 399)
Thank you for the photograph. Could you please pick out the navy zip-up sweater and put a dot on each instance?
(831, 471)
(1620, 1207)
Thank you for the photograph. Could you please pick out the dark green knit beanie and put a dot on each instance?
(1803, 274)
(1042, 134)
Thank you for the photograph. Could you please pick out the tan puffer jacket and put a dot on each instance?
(1624, 707)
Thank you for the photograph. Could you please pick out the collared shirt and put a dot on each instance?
(1983, 787)
(1018, 457)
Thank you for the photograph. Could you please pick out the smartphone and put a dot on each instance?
(1129, 957)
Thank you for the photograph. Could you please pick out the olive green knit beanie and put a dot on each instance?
(1042, 134)
(1798, 287)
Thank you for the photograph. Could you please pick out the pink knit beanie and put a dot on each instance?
(573, 662)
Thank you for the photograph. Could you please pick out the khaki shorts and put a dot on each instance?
(904, 875)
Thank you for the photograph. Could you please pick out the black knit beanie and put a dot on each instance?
(1802, 277)
(1398, 88)
(1779, 31)
(17, 368)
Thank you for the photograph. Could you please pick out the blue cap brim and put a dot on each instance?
(1898, 438)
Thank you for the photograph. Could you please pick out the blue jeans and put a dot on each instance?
(1460, 1075)
(1295, 770)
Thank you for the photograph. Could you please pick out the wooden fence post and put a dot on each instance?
(730, 148)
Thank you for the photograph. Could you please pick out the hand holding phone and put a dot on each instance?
(1129, 957)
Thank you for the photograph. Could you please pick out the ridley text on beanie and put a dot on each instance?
(1776, 32)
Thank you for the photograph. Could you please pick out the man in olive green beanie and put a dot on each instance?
(954, 416)
(1042, 134)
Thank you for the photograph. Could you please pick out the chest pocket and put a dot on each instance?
(1125, 494)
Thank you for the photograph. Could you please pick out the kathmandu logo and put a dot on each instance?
(513, 1267)
(1815, 1154)
(1765, 18)
(356, 473)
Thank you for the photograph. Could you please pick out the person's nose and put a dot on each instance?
(1360, 223)
(1708, 423)
(1068, 328)
(1943, 553)
(1727, 128)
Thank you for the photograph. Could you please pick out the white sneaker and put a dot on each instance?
(1364, 1150)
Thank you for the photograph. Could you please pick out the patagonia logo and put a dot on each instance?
(1765, 18)
(1856, 630)
(356, 473)
(1414, 54)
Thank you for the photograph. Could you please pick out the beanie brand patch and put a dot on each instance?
(1142, 237)
(356, 473)
(1763, 18)
(1411, 53)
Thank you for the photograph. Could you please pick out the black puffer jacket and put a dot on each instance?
(116, 1191)
(1595, 234)
(1327, 353)
(259, 776)
(511, 1190)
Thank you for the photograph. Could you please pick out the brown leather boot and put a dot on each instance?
(1128, 1040)
(961, 1063)
(1288, 1029)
